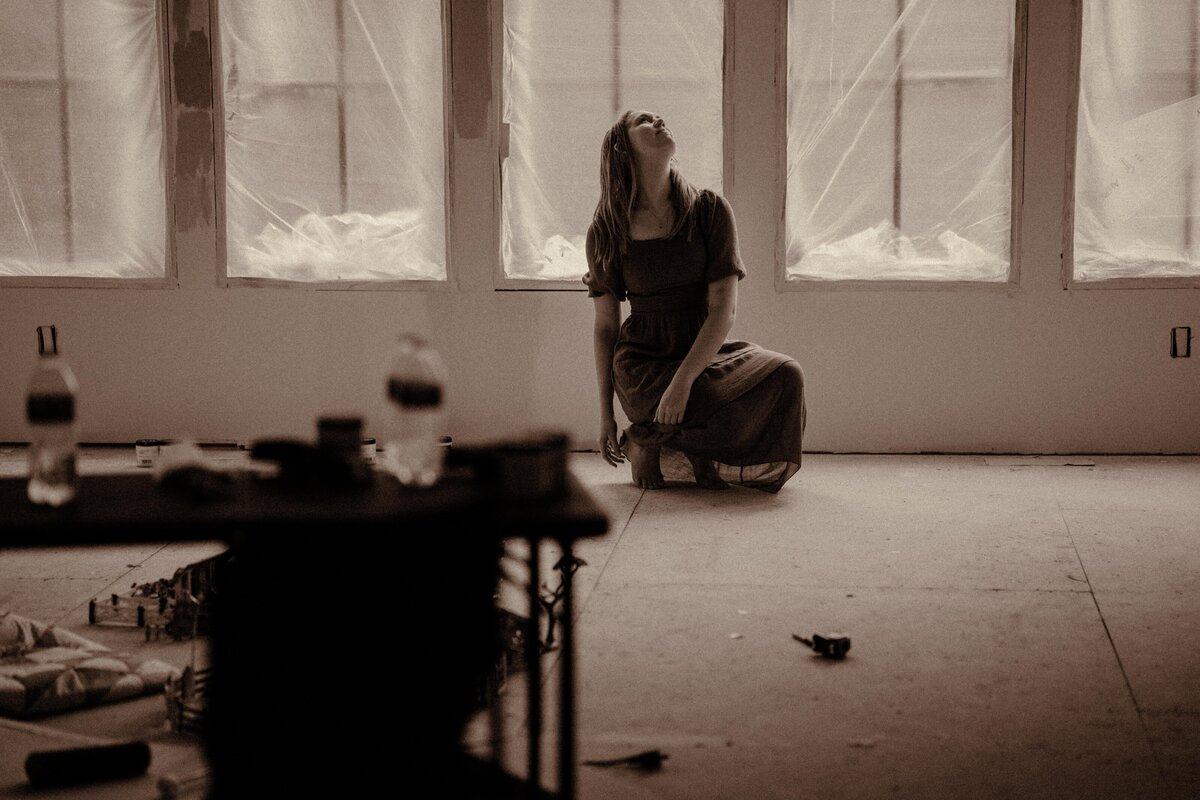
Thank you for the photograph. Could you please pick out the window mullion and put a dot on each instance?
(64, 129)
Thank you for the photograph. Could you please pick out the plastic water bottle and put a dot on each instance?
(50, 409)
(414, 449)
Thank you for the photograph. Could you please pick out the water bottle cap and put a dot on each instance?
(47, 333)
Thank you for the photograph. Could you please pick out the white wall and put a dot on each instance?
(1037, 369)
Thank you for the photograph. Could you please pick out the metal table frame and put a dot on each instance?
(128, 508)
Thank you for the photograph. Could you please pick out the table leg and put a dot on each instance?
(533, 670)
(496, 711)
(566, 716)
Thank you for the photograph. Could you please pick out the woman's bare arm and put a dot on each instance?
(604, 341)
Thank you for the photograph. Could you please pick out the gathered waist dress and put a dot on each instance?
(746, 410)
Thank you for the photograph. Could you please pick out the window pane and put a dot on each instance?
(334, 140)
(899, 143)
(571, 68)
(1137, 213)
(82, 188)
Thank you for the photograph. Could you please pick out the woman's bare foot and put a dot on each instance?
(643, 462)
(706, 473)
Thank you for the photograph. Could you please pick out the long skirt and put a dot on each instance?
(746, 411)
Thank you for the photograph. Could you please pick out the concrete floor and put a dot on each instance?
(54, 586)
(1021, 629)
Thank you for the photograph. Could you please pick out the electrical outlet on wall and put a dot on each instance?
(1181, 342)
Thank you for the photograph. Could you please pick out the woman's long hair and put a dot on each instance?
(618, 196)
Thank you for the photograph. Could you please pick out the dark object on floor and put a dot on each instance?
(187, 701)
(132, 610)
(181, 604)
(830, 645)
(87, 764)
(647, 761)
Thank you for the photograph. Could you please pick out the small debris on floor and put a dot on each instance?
(743, 611)
(830, 645)
(864, 743)
(735, 636)
(647, 761)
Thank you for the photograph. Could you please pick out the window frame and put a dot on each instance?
(1067, 269)
(168, 15)
(1011, 285)
(170, 277)
(501, 282)
(226, 281)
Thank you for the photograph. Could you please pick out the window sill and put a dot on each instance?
(783, 284)
(80, 282)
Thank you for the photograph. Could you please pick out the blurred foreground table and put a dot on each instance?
(351, 622)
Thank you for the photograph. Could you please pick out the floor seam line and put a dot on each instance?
(105, 590)
(1112, 644)
(624, 527)
(579, 609)
(549, 669)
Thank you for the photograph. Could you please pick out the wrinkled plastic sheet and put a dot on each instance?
(1137, 177)
(82, 185)
(334, 140)
(570, 69)
(899, 139)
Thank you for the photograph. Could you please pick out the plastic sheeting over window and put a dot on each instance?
(1137, 176)
(82, 165)
(899, 139)
(571, 68)
(334, 140)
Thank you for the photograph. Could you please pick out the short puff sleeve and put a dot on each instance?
(598, 282)
(720, 235)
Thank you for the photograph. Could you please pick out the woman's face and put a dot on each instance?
(650, 137)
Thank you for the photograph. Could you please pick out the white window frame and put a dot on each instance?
(467, 235)
(500, 280)
(1011, 285)
(170, 277)
(1069, 281)
(225, 280)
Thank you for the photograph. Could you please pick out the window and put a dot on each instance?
(899, 140)
(82, 163)
(571, 67)
(334, 145)
(1137, 156)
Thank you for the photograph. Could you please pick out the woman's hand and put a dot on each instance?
(610, 446)
(673, 403)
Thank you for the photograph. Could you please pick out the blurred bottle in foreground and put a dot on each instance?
(415, 444)
(50, 409)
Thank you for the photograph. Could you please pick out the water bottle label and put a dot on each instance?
(414, 393)
(50, 408)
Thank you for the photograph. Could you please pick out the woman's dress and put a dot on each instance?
(746, 410)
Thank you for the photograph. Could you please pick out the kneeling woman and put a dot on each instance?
(699, 406)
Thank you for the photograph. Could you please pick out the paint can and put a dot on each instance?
(146, 451)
